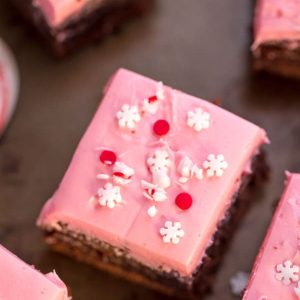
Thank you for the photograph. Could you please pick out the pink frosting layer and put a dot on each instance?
(58, 11)
(21, 281)
(129, 225)
(277, 20)
(281, 244)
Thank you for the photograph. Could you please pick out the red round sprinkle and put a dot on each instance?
(184, 201)
(161, 127)
(108, 157)
(152, 99)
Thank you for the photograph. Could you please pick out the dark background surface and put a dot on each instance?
(201, 47)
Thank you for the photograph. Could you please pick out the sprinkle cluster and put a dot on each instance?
(160, 163)
(119, 174)
(288, 273)
(129, 115)
(214, 165)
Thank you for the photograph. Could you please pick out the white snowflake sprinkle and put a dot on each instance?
(152, 211)
(160, 160)
(238, 283)
(128, 116)
(172, 232)
(109, 195)
(198, 119)
(287, 272)
(297, 290)
(215, 165)
(187, 170)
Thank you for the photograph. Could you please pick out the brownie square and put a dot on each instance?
(65, 25)
(276, 47)
(276, 272)
(156, 186)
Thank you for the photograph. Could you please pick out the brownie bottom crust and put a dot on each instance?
(281, 58)
(119, 262)
(93, 26)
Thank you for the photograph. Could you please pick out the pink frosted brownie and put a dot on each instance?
(276, 46)
(276, 273)
(21, 281)
(66, 24)
(154, 184)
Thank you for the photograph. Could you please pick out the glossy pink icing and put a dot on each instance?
(281, 243)
(21, 281)
(277, 20)
(57, 12)
(129, 225)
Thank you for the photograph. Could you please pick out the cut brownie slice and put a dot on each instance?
(276, 47)
(156, 186)
(67, 24)
(21, 281)
(276, 273)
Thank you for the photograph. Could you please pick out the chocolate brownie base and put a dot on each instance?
(95, 25)
(282, 58)
(119, 262)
